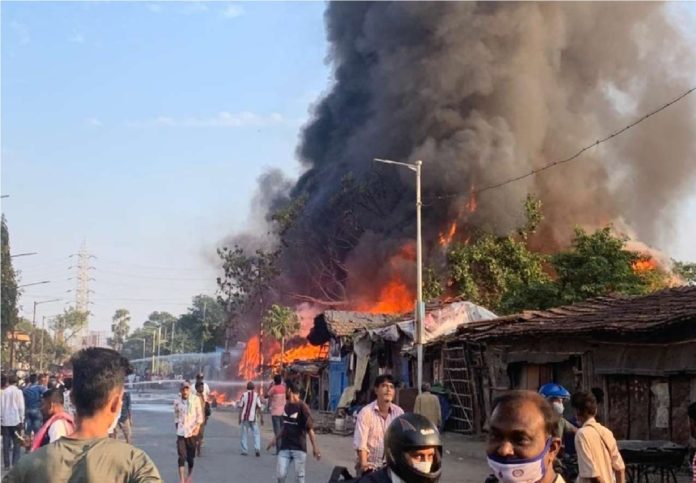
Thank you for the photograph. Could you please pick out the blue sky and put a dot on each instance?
(141, 128)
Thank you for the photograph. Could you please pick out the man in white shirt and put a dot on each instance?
(188, 417)
(249, 409)
(12, 421)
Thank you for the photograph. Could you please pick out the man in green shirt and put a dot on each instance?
(88, 454)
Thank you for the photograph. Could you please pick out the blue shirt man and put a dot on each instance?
(32, 403)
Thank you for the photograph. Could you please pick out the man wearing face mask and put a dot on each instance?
(522, 441)
(413, 452)
(88, 454)
(557, 395)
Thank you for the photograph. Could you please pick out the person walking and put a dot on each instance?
(200, 393)
(206, 388)
(599, 460)
(277, 400)
(249, 411)
(11, 421)
(188, 417)
(292, 440)
(58, 422)
(89, 454)
(428, 404)
(32, 403)
(125, 421)
(372, 423)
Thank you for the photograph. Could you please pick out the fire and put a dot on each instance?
(220, 397)
(472, 204)
(306, 352)
(394, 298)
(644, 265)
(251, 359)
(446, 237)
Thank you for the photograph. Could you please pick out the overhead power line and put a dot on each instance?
(574, 156)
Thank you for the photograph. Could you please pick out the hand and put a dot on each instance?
(316, 453)
(270, 445)
(366, 467)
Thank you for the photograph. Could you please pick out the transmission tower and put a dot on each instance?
(82, 279)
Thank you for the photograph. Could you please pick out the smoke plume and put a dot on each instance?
(482, 92)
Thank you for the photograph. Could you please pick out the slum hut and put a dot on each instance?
(312, 379)
(639, 353)
(349, 359)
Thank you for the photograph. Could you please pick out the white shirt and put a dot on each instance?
(11, 406)
(248, 405)
(58, 429)
(187, 415)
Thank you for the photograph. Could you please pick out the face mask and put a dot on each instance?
(423, 466)
(117, 417)
(558, 407)
(517, 470)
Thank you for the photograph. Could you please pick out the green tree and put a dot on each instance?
(10, 294)
(119, 327)
(280, 322)
(66, 325)
(598, 264)
(432, 286)
(497, 271)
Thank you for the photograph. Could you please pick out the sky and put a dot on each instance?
(140, 129)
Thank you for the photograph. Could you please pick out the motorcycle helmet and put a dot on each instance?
(554, 390)
(406, 433)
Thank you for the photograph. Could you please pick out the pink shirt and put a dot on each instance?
(277, 396)
(369, 431)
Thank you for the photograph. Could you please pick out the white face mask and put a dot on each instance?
(117, 417)
(423, 466)
(558, 407)
(529, 470)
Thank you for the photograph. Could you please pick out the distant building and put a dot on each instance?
(95, 338)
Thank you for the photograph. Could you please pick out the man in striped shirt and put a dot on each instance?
(250, 409)
(373, 421)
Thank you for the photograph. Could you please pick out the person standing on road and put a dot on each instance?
(32, 403)
(58, 422)
(11, 421)
(277, 400)
(428, 405)
(372, 423)
(249, 412)
(188, 417)
(292, 440)
(599, 460)
(125, 421)
(206, 388)
(88, 454)
(522, 441)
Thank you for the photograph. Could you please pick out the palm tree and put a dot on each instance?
(281, 322)
(120, 327)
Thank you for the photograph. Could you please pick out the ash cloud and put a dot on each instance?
(481, 93)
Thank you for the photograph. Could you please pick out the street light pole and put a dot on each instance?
(416, 167)
(33, 329)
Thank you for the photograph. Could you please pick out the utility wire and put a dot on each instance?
(574, 156)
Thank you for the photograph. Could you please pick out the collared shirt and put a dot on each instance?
(369, 431)
(188, 414)
(11, 406)
(249, 403)
(277, 396)
(598, 453)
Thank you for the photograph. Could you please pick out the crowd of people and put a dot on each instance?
(525, 431)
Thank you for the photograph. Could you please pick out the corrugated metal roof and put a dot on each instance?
(610, 314)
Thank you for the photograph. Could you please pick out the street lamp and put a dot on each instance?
(33, 283)
(33, 325)
(24, 254)
(416, 167)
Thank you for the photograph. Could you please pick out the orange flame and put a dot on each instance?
(251, 359)
(305, 352)
(446, 237)
(220, 397)
(394, 298)
(472, 204)
(644, 265)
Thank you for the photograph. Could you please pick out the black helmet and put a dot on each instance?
(406, 433)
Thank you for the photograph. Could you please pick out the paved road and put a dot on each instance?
(222, 461)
